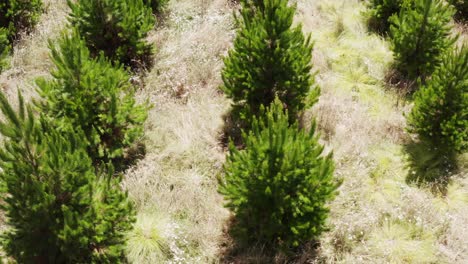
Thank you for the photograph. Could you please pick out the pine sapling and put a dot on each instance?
(271, 58)
(440, 112)
(380, 12)
(4, 48)
(420, 35)
(95, 96)
(58, 208)
(116, 28)
(279, 185)
(19, 16)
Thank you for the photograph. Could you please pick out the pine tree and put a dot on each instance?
(420, 34)
(59, 210)
(278, 186)
(95, 96)
(270, 58)
(4, 48)
(16, 16)
(380, 12)
(19, 15)
(440, 112)
(116, 28)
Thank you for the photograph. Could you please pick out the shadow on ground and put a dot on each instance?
(235, 250)
(232, 130)
(430, 165)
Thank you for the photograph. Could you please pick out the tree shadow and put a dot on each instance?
(430, 165)
(232, 129)
(404, 86)
(130, 158)
(237, 250)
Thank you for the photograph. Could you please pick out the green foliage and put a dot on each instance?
(117, 28)
(269, 59)
(16, 16)
(420, 35)
(156, 5)
(59, 210)
(462, 8)
(440, 112)
(380, 11)
(96, 97)
(19, 15)
(278, 186)
(4, 48)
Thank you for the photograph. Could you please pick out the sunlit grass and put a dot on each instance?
(362, 118)
(402, 242)
(149, 240)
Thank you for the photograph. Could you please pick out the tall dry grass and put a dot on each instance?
(178, 176)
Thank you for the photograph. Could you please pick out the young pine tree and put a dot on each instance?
(420, 34)
(16, 16)
(4, 48)
(96, 97)
(380, 12)
(117, 28)
(19, 15)
(270, 58)
(58, 210)
(278, 186)
(440, 112)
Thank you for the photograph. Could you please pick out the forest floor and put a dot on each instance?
(385, 212)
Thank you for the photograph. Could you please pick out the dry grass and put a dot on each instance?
(377, 218)
(178, 175)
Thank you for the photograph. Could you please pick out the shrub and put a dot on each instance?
(380, 11)
(4, 48)
(19, 15)
(278, 186)
(462, 8)
(440, 112)
(16, 16)
(156, 5)
(58, 209)
(269, 59)
(96, 97)
(420, 35)
(117, 28)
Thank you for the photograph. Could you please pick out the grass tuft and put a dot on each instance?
(148, 242)
(402, 242)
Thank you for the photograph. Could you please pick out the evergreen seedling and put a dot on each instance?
(440, 112)
(420, 35)
(270, 58)
(19, 15)
(15, 16)
(58, 209)
(279, 185)
(380, 12)
(4, 48)
(96, 97)
(116, 28)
